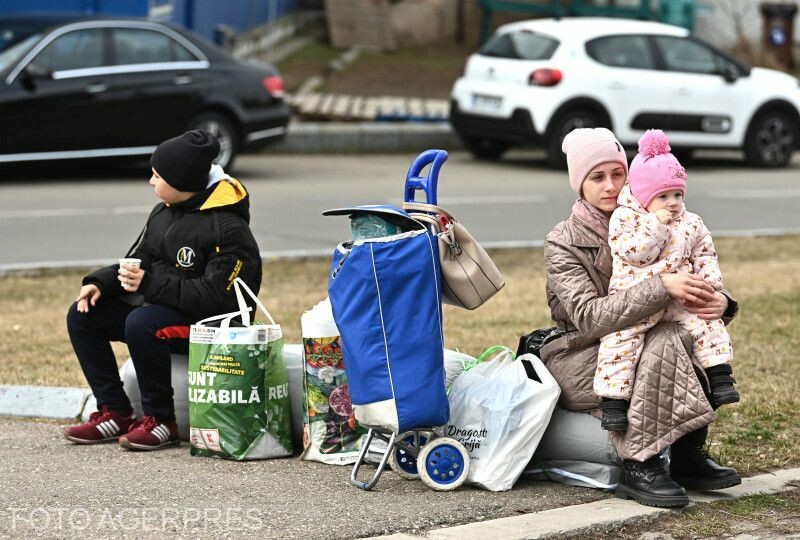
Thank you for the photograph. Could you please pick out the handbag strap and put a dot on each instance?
(429, 208)
(427, 218)
(244, 309)
(423, 211)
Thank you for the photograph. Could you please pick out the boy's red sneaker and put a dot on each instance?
(150, 433)
(103, 426)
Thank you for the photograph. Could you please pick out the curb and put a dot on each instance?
(42, 401)
(358, 137)
(585, 518)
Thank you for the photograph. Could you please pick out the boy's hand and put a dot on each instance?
(130, 278)
(89, 294)
(664, 216)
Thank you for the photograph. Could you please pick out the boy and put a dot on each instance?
(195, 243)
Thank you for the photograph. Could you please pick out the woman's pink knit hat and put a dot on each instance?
(654, 170)
(586, 148)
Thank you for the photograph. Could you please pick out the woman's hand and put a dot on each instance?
(688, 288)
(89, 294)
(709, 311)
(130, 277)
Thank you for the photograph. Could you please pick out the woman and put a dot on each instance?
(669, 405)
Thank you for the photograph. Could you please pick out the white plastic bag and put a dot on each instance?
(455, 362)
(499, 412)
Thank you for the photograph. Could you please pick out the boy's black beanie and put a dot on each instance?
(185, 161)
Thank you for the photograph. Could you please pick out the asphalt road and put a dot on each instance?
(82, 215)
(54, 489)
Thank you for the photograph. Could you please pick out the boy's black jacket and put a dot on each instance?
(192, 252)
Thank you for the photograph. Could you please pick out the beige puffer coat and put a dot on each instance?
(668, 399)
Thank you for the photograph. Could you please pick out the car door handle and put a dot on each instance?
(683, 92)
(183, 79)
(97, 88)
(616, 86)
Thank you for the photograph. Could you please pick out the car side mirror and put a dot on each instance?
(730, 73)
(35, 71)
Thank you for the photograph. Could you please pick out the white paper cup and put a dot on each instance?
(129, 263)
(135, 263)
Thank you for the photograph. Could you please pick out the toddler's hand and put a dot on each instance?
(663, 215)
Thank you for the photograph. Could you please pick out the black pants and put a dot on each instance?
(152, 333)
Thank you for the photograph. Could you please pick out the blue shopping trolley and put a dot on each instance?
(386, 299)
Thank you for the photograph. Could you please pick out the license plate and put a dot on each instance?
(486, 103)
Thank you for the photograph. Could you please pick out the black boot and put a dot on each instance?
(647, 482)
(615, 414)
(693, 468)
(721, 381)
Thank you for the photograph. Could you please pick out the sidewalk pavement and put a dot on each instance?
(365, 137)
(333, 107)
(69, 491)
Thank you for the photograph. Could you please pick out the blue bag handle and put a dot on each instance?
(434, 158)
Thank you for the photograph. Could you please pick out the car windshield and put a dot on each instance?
(15, 52)
(524, 45)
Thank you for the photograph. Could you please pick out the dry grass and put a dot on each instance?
(759, 433)
(768, 516)
(411, 71)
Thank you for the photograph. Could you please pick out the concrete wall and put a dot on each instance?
(419, 22)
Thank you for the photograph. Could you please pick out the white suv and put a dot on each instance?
(534, 81)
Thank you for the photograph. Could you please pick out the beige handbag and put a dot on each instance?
(469, 276)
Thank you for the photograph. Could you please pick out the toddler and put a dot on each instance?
(651, 233)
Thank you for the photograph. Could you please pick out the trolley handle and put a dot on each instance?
(428, 183)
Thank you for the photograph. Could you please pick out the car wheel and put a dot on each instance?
(771, 140)
(223, 130)
(482, 148)
(568, 121)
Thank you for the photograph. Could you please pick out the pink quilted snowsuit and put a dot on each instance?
(643, 247)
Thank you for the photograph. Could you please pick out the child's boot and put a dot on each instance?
(615, 414)
(721, 381)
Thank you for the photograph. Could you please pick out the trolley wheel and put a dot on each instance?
(403, 463)
(443, 464)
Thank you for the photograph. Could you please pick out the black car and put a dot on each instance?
(118, 87)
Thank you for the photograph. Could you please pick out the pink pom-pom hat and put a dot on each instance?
(654, 170)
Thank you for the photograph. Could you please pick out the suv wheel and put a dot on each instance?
(578, 118)
(223, 130)
(771, 140)
(482, 148)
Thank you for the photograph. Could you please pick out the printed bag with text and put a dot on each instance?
(330, 432)
(238, 386)
(499, 410)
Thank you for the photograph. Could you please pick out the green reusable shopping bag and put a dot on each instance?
(238, 387)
